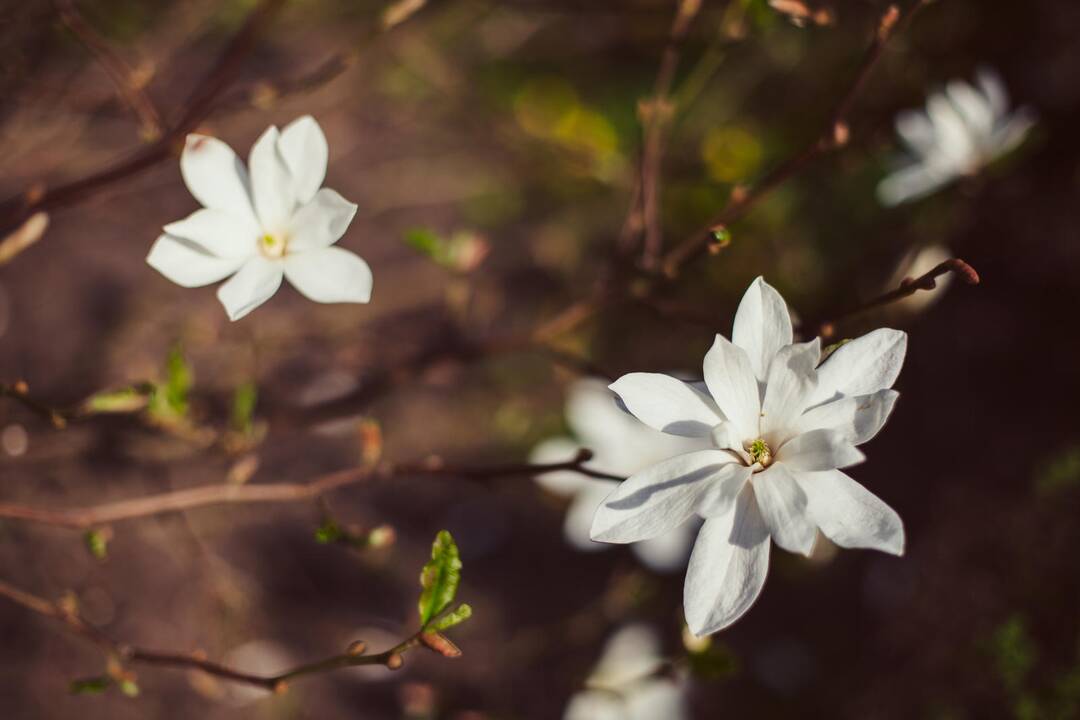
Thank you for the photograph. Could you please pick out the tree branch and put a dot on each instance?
(222, 493)
(835, 134)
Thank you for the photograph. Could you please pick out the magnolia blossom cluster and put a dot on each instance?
(781, 427)
(962, 130)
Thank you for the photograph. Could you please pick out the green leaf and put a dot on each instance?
(97, 543)
(327, 533)
(449, 620)
(178, 381)
(124, 400)
(439, 578)
(129, 688)
(426, 242)
(90, 686)
(243, 407)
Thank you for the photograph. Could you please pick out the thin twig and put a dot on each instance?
(353, 657)
(123, 77)
(834, 134)
(20, 392)
(656, 114)
(223, 493)
(907, 287)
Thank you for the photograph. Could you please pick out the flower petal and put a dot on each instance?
(730, 378)
(783, 505)
(863, 366)
(973, 107)
(762, 325)
(819, 450)
(858, 418)
(579, 515)
(271, 184)
(916, 131)
(220, 233)
(993, 89)
(187, 264)
(329, 275)
(662, 497)
(216, 177)
(849, 514)
(667, 404)
(910, 183)
(321, 222)
(727, 567)
(560, 482)
(254, 284)
(303, 146)
(668, 552)
(789, 389)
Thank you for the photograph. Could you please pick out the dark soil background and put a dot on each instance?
(514, 123)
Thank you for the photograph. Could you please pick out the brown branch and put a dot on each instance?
(656, 114)
(353, 657)
(907, 287)
(123, 77)
(20, 392)
(222, 493)
(835, 134)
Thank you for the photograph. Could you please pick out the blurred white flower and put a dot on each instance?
(914, 264)
(962, 130)
(274, 223)
(781, 428)
(627, 683)
(621, 446)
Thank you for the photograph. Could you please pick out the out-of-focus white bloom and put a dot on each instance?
(259, 657)
(621, 446)
(258, 228)
(626, 684)
(781, 429)
(962, 130)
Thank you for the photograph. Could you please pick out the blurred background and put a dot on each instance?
(493, 150)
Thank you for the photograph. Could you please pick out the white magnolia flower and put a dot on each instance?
(962, 130)
(273, 223)
(621, 446)
(627, 683)
(781, 429)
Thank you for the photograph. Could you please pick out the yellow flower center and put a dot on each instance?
(759, 452)
(272, 246)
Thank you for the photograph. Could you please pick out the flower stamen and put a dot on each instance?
(759, 452)
(272, 246)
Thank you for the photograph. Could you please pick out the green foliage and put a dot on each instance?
(461, 252)
(1061, 473)
(90, 686)
(714, 662)
(129, 688)
(440, 578)
(328, 532)
(169, 400)
(245, 398)
(450, 619)
(124, 400)
(97, 543)
(1013, 651)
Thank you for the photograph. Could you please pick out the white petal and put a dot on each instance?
(863, 366)
(630, 654)
(993, 90)
(595, 705)
(579, 515)
(791, 385)
(727, 567)
(216, 177)
(560, 482)
(972, 106)
(187, 264)
(329, 275)
(910, 183)
(321, 222)
(917, 132)
(666, 404)
(858, 418)
(254, 284)
(762, 325)
(783, 505)
(819, 450)
(220, 233)
(668, 552)
(733, 385)
(955, 142)
(271, 184)
(657, 698)
(662, 497)
(303, 146)
(849, 514)
(1012, 132)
